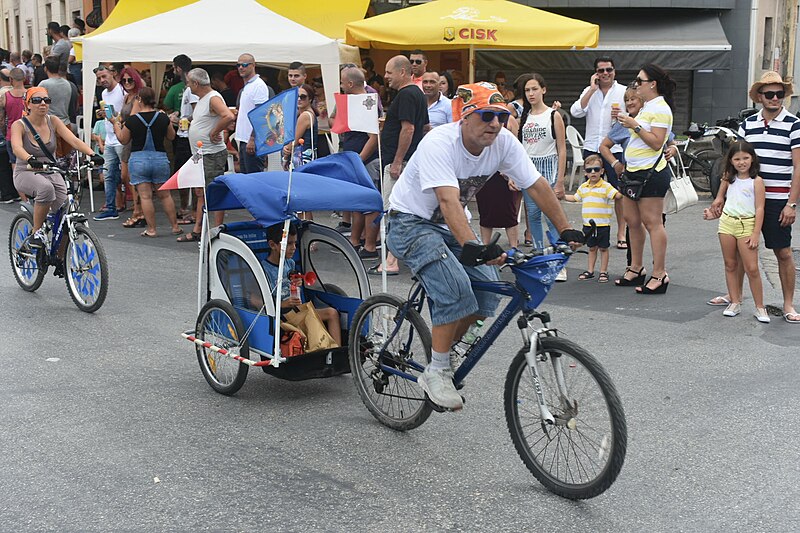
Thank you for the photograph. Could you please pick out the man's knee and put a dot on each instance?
(784, 255)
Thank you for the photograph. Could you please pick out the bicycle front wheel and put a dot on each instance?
(219, 324)
(27, 263)
(582, 454)
(396, 401)
(86, 269)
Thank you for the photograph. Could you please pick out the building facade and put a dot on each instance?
(25, 21)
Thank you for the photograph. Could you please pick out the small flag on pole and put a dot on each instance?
(274, 122)
(191, 174)
(356, 112)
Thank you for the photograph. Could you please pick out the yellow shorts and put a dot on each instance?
(739, 228)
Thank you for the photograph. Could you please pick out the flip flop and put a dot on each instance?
(134, 223)
(719, 301)
(622, 245)
(792, 317)
(183, 221)
(150, 235)
(178, 231)
(373, 271)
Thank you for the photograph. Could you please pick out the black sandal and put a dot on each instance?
(638, 280)
(586, 275)
(189, 237)
(661, 289)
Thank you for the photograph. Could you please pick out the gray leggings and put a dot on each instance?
(44, 188)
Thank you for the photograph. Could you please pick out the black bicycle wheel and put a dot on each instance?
(716, 176)
(27, 263)
(699, 168)
(86, 270)
(395, 401)
(219, 324)
(582, 454)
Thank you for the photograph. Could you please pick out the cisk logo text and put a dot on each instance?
(479, 34)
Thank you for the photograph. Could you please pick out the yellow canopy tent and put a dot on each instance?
(448, 24)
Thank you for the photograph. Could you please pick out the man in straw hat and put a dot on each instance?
(775, 135)
(429, 230)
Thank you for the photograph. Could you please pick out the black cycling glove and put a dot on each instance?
(572, 235)
(475, 253)
(97, 160)
(35, 163)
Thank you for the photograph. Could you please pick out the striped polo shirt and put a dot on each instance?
(638, 155)
(773, 143)
(597, 202)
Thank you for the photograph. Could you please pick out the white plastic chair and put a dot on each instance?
(576, 143)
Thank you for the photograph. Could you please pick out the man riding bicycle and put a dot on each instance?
(428, 226)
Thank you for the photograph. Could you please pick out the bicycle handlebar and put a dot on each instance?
(518, 257)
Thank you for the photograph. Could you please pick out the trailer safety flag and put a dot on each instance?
(191, 174)
(356, 112)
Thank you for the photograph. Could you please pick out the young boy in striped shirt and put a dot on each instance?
(597, 198)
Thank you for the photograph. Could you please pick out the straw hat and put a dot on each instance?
(768, 78)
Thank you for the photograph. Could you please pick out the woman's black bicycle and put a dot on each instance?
(562, 410)
(72, 249)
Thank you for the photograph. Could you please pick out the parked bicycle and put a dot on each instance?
(562, 410)
(71, 248)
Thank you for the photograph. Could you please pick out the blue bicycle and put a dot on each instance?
(73, 250)
(563, 412)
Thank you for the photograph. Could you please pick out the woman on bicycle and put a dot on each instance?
(33, 139)
(145, 130)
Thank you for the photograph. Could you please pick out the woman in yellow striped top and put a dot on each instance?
(649, 133)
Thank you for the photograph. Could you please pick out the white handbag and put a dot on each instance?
(681, 193)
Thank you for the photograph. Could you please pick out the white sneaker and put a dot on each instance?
(733, 309)
(439, 386)
(562, 276)
(762, 315)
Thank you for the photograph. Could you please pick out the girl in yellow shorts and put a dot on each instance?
(740, 225)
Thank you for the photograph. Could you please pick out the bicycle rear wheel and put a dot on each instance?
(699, 172)
(395, 401)
(219, 324)
(86, 269)
(582, 454)
(27, 264)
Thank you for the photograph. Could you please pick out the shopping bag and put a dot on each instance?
(306, 319)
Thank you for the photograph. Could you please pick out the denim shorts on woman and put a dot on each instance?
(431, 252)
(148, 167)
(658, 184)
(739, 228)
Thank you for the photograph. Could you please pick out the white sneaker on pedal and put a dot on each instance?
(562, 276)
(438, 384)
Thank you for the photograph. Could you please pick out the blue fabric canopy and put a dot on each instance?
(338, 182)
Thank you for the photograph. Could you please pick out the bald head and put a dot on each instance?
(398, 72)
(352, 80)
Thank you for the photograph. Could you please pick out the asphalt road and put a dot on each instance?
(108, 425)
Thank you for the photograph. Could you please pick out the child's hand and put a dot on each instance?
(293, 302)
(709, 214)
(752, 241)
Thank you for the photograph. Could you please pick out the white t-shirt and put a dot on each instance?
(255, 92)
(442, 161)
(598, 115)
(187, 99)
(115, 97)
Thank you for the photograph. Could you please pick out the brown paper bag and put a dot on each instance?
(306, 318)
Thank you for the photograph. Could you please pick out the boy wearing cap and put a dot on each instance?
(428, 225)
(775, 135)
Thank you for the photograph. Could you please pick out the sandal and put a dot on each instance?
(146, 234)
(660, 289)
(586, 275)
(625, 282)
(373, 271)
(185, 220)
(134, 223)
(719, 301)
(603, 277)
(189, 237)
(178, 231)
(622, 245)
(792, 317)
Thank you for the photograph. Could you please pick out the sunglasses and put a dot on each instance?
(639, 81)
(769, 95)
(302, 97)
(40, 100)
(243, 65)
(488, 116)
(590, 170)
(416, 61)
(127, 80)
(607, 70)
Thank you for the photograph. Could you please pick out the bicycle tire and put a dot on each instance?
(697, 173)
(219, 324)
(29, 273)
(716, 176)
(87, 282)
(394, 401)
(576, 482)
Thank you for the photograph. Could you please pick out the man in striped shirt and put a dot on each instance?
(775, 135)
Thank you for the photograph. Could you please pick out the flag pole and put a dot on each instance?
(384, 278)
(205, 229)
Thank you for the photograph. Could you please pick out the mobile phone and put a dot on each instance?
(109, 111)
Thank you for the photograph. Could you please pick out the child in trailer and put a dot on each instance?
(328, 315)
(597, 198)
(740, 225)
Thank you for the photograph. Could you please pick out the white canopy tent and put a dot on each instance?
(211, 31)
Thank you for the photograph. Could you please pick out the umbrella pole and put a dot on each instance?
(472, 63)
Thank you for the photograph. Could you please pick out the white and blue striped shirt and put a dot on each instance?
(773, 143)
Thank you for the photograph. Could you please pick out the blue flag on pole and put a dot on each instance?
(274, 122)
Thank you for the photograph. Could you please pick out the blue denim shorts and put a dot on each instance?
(431, 252)
(148, 167)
